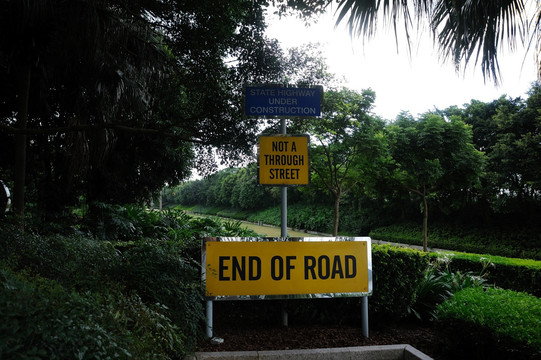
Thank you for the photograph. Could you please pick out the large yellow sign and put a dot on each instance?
(283, 160)
(236, 268)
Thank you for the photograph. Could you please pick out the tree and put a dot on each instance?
(508, 132)
(346, 145)
(120, 94)
(433, 157)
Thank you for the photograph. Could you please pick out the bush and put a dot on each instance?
(439, 283)
(396, 273)
(492, 323)
(300, 216)
(123, 222)
(76, 261)
(157, 271)
(42, 320)
(269, 216)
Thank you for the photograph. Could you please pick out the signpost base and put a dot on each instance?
(209, 319)
(364, 317)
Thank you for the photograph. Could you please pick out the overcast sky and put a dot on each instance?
(416, 83)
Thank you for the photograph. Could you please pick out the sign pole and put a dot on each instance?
(364, 316)
(209, 319)
(283, 219)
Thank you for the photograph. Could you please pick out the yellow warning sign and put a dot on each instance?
(283, 160)
(236, 268)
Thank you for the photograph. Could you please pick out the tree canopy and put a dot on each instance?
(346, 145)
(434, 158)
(110, 99)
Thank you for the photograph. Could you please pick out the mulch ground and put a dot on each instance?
(248, 332)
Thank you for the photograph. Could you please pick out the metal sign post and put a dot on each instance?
(283, 221)
(283, 218)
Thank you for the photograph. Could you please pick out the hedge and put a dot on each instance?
(395, 273)
(522, 275)
(518, 243)
(479, 323)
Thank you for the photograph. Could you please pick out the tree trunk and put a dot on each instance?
(425, 223)
(336, 215)
(19, 177)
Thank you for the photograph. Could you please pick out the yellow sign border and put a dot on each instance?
(286, 267)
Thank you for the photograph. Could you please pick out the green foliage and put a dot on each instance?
(158, 272)
(515, 274)
(405, 233)
(152, 287)
(228, 188)
(269, 216)
(348, 145)
(507, 130)
(125, 222)
(76, 261)
(439, 283)
(43, 320)
(434, 157)
(396, 273)
(439, 156)
(312, 217)
(139, 108)
(492, 323)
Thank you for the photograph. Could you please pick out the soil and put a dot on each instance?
(247, 332)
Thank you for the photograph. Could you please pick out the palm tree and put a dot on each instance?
(464, 30)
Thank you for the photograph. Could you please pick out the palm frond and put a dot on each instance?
(475, 29)
(363, 15)
(465, 30)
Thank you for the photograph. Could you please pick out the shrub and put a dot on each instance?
(42, 320)
(75, 261)
(269, 216)
(396, 273)
(123, 222)
(300, 216)
(492, 323)
(158, 272)
(439, 283)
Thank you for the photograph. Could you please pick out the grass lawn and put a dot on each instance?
(273, 231)
(270, 231)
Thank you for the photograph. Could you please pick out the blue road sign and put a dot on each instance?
(283, 101)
